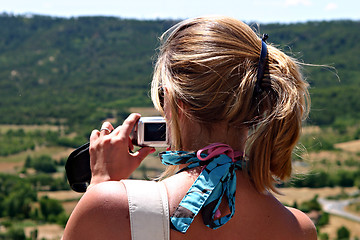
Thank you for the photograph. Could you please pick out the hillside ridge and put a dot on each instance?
(78, 71)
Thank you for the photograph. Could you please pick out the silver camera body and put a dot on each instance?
(150, 132)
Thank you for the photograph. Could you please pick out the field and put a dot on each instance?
(290, 195)
(29, 128)
(46, 231)
(13, 163)
(151, 168)
(351, 146)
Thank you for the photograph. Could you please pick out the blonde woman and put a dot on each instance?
(234, 105)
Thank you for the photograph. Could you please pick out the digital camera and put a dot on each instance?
(150, 132)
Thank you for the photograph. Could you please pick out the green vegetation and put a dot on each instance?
(326, 137)
(42, 180)
(17, 199)
(343, 233)
(15, 141)
(14, 233)
(332, 44)
(319, 178)
(42, 164)
(79, 71)
(311, 205)
(75, 71)
(355, 207)
(52, 211)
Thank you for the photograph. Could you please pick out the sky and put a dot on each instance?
(261, 11)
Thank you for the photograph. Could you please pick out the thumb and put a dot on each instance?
(141, 154)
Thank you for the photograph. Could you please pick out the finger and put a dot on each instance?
(127, 126)
(106, 128)
(94, 135)
(140, 155)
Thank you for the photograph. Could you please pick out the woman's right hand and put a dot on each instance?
(110, 155)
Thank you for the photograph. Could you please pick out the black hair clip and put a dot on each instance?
(265, 37)
(262, 62)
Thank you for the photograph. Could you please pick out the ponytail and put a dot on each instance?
(282, 105)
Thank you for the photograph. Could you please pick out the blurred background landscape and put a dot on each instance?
(62, 77)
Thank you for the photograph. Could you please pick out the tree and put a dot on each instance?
(324, 219)
(18, 203)
(343, 233)
(310, 205)
(50, 208)
(323, 236)
(27, 163)
(44, 164)
(15, 234)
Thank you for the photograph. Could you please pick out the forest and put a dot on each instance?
(66, 75)
(78, 71)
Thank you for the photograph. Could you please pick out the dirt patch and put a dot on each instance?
(331, 160)
(351, 146)
(304, 194)
(69, 206)
(46, 231)
(354, 208)
(328, 155)
(61, 195)
(10, 167)
(30, 128)
(310, 130)
(63, 154)
(54, 152)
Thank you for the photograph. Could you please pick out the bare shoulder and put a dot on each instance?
(305, 226)
(102, 213)
(279, 221)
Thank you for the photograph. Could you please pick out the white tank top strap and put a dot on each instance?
(149, 210)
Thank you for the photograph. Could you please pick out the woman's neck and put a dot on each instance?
(195, 137)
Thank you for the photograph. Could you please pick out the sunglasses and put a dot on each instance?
(161, 96)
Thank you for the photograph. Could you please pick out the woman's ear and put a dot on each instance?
(182, 110)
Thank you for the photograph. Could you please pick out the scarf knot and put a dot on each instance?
(217, 179)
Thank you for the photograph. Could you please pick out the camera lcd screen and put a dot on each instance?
(154, 132)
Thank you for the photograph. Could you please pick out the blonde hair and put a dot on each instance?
(211, 64)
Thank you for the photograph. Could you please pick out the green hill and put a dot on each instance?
(334, 44)
(79, 71)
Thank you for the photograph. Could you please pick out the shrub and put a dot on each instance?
(343, 233)
(323, 220)
(50, 208)
(15, 233)
(44, 163)
(311, 205)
